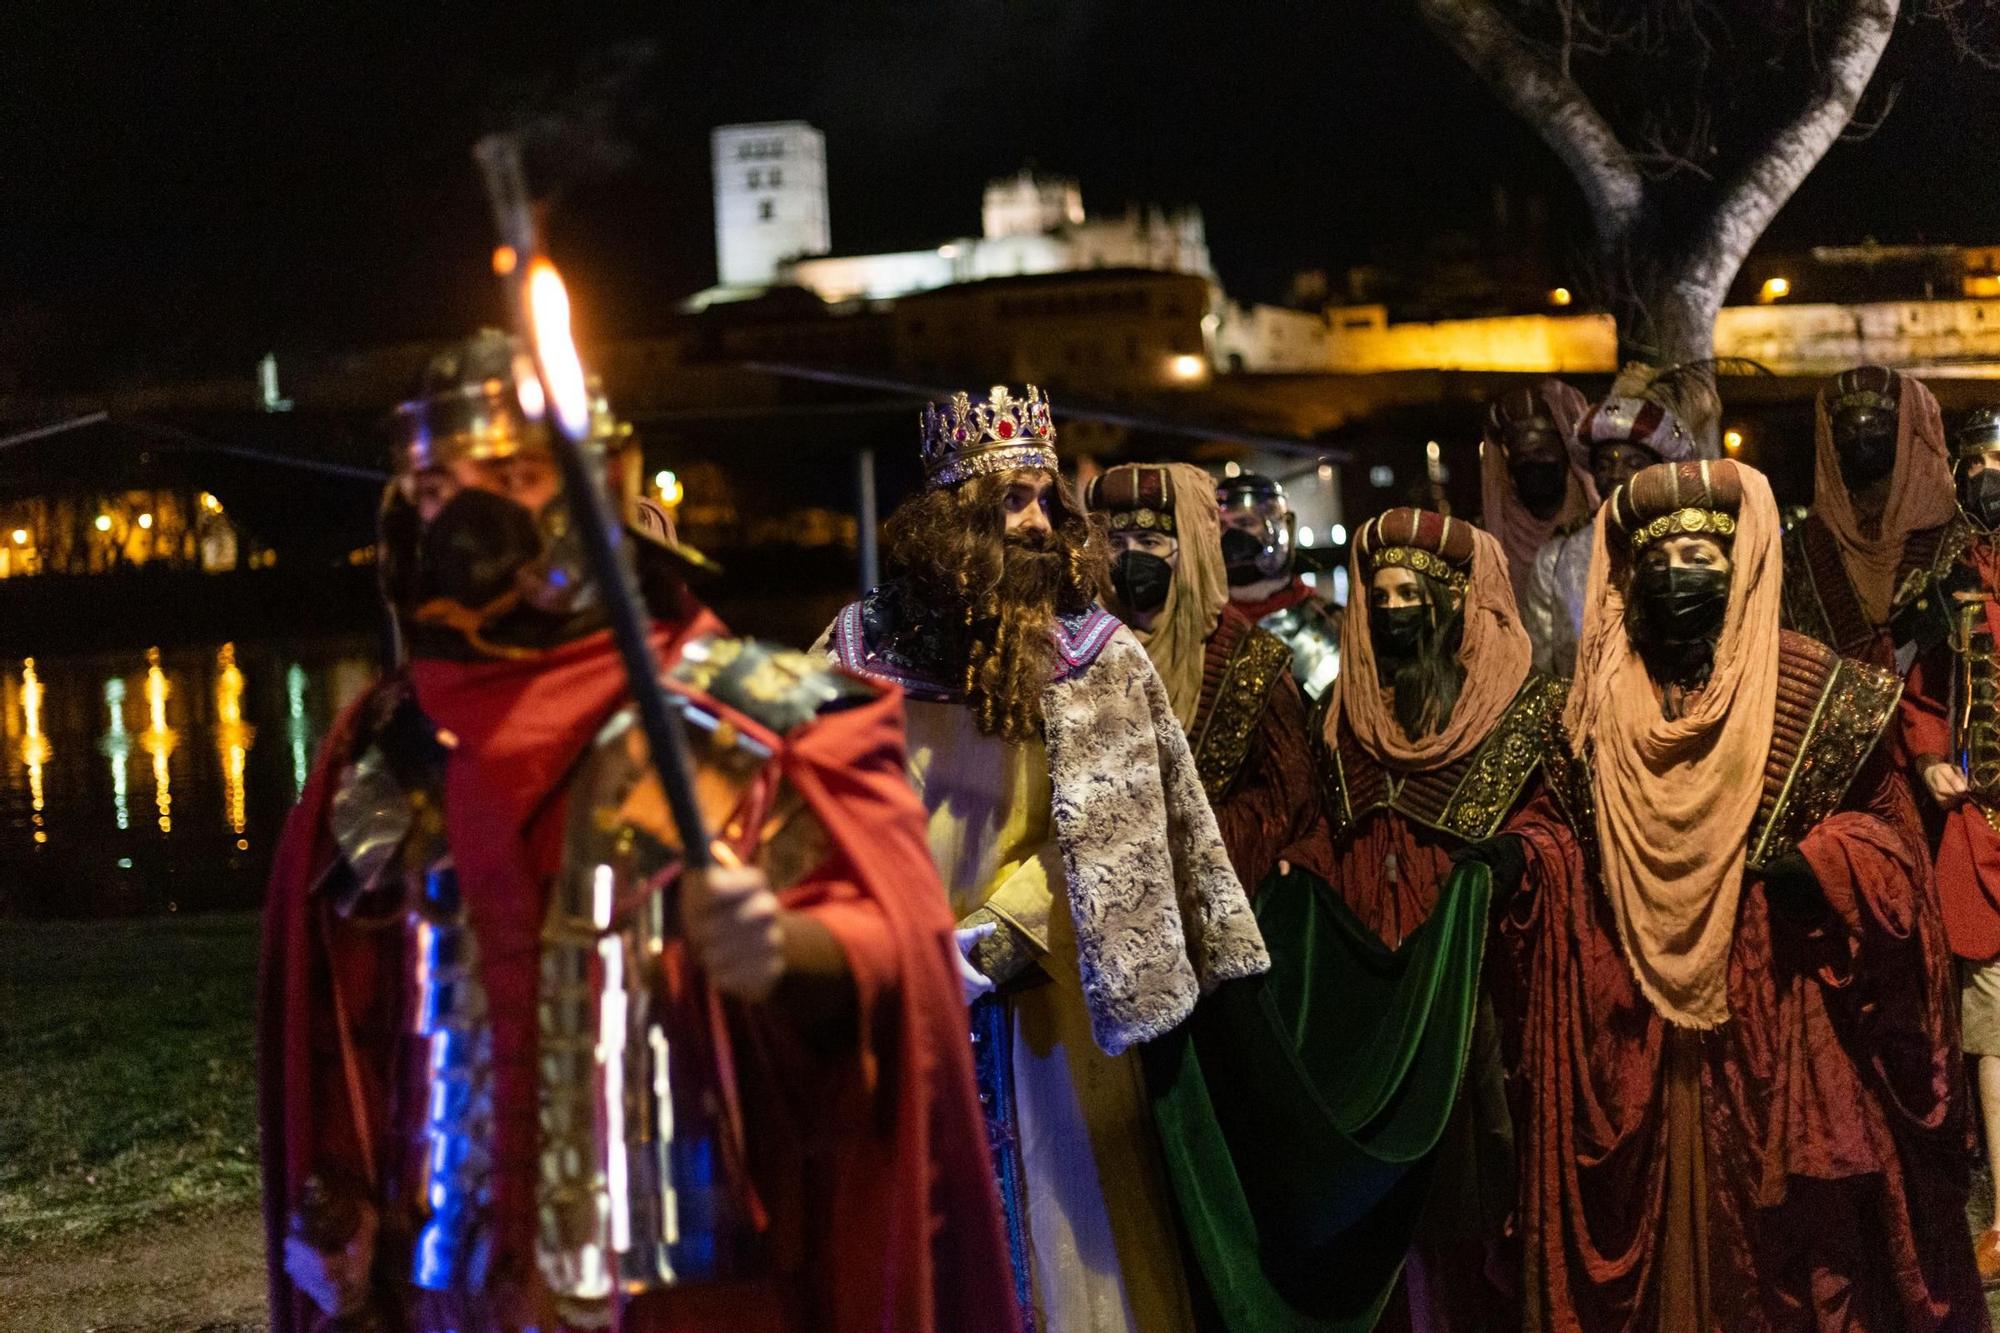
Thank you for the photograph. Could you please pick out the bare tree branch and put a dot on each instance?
(1748, 203)
(1554, 105)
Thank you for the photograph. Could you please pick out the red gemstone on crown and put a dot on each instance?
(1005, 430)
(959, 435)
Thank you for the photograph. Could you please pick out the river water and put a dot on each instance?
(155, 780)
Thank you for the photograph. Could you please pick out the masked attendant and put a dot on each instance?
(1619, 438)
(1082, 861)
(1883, 506)
(1533, 485)
(1258, 535)
(518, 1072)
(1951, 730)
(1727, 1001)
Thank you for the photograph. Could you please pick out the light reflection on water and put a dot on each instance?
(69, 726)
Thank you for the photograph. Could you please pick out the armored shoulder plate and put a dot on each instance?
(1468, 798)
(394, 782)
(777, 688)
(1309, 631)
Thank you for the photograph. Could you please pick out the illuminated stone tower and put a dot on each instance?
(770, 199)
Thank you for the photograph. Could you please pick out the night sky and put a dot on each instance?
(183, 186)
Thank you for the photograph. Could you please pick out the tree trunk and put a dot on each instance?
(1666, 291)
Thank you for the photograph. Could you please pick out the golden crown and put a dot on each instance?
(963, 439)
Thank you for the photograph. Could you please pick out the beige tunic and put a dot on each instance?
(1098, 1211)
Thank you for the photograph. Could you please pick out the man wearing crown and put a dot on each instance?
(1094, 894)
(1859, 571)
(517, 1071)
(1726, 1003)
(1951, 733)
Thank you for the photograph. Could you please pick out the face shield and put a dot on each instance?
(1257, 529)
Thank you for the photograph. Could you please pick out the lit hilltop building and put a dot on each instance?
(771, 229)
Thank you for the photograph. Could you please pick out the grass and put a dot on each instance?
(127, 1092)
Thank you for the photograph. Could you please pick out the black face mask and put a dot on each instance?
(1680, 606)
(1398, 631)
(1141, 581)
(1540, 485)
(474, 547)
(1865, 444)
(1979, 497)
(1240, 550)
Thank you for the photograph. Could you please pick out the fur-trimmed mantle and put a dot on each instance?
(1160, 917)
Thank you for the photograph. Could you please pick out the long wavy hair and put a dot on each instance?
(994, 596)
(1426, 686)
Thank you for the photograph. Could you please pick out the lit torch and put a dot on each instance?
(553, 384)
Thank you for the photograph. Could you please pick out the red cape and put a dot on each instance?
(902, 1217)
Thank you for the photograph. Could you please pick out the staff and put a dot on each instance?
(539, 306)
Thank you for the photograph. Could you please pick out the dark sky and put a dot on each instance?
(189, 184)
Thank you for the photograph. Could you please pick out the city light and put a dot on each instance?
(1305, 536)
(1186, 367)
(1337, 533)
(670, 488)
(1732, 440)
(146, 522)
(104, 522)
(1325, 472)
(1232, 469)
(1774, 289)
(20, 536)
(1431, 451)
(1560, 296)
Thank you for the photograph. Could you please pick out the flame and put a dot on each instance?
(233, 737)
(35, 750)
(555, 348)
(158, 739)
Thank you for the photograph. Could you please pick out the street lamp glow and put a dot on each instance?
(1305, 536)
(104, 522)
(1337, 533)
(20, 536)
(1560, 296)
(1232, 469)
(1774, 289)
(1186, 366)
(146, 522)
(1732, 440)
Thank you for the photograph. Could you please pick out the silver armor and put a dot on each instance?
(641, 1181)
(1315, 643)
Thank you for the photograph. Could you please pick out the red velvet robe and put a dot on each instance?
(1270, 810)
(871, 1162)
(1832, 1113)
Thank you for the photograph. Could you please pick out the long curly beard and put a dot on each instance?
(997, 594)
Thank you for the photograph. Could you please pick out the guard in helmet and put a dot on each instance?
(1259, 532)
(1951, 732)
(518, 1070)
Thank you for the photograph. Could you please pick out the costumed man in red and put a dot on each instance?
(1951, 731)
(1720, 964)
(1533, 483)
(1859, 572)
(1261, 555)
(1094, 895)
(519, 1072)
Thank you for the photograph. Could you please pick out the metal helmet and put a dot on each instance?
(1254, 494)
(1979, 432)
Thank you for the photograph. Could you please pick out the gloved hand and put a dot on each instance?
(1505, 854)
(1792, 887)
(973, 983)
